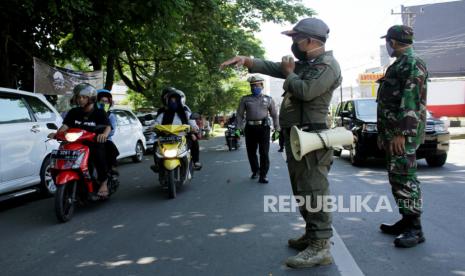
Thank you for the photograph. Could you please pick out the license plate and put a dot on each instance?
(170, 139)
(65, 154)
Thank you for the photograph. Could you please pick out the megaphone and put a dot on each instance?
(304, 142)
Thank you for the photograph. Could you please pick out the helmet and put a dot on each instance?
(171, 91)
(86, 90)
(104, 93)
(183, 97)
(165, 92)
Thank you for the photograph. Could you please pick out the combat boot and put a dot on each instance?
(317, 253)
(394, 229)
(300, 243)
(412, 236)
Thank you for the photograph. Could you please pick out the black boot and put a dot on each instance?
(412, 236)
(394, 229)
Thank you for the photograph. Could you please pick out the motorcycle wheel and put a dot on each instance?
(65, 201)
(172, 184)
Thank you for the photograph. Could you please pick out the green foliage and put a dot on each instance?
(151, 44)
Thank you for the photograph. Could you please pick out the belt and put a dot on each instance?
(308, 127)
(255, 123)
(313, 127)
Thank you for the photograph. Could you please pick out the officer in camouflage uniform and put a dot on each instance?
(308, 87)
(401, 128)
(256, 107)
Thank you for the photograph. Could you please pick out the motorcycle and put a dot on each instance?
(232, 135)
(74, 179)
(173, 160)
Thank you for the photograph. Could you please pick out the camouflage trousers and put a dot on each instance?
(309, 180)
(402, 171)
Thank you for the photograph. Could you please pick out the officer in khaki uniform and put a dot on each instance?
(257, 126)
(308, 87)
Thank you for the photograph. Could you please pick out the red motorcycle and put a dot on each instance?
(74, 179)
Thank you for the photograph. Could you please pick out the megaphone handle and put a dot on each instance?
(322, 140)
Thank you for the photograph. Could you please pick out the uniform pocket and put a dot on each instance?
(390, 91)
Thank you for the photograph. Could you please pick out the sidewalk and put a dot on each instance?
(457, 132)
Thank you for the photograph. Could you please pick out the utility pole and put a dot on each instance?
(406, 11)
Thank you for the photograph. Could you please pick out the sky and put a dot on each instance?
(355, 30)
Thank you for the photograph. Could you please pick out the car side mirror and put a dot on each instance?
(346, 113)
(52, 126)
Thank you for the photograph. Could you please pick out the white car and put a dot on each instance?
(129, 136)
(25, 121)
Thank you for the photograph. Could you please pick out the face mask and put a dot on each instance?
(173, 105)
(299, 54)
(389, 49)
(106, 107)
(256, 90)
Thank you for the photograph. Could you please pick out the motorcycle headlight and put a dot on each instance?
(73, 136)
(439, 128)
(370, 127)
(170, 153)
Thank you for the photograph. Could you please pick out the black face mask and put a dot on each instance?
(299, 54)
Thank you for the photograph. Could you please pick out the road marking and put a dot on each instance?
(344, 261)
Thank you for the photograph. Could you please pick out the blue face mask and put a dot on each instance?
(173, 105)
(256, 90)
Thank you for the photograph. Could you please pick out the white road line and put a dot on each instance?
(344, 261)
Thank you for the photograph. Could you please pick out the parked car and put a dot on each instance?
(359, 115)
(25, 121)
(148, 122)
(129, 137)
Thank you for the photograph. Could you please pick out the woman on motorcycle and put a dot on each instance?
(175, 112)
(105, 102)
(87, 117)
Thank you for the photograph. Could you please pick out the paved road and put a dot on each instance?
(217, 225)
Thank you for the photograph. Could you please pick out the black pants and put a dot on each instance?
(258, 137)
(281, 139)
(195, 148)
(98, 158)
(112, 153)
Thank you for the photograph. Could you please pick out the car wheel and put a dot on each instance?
(356, 158)
(47, 185)
(139, 153)
(436, 160)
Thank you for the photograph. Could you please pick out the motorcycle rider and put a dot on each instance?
(87, 117)
(105, 102)
(175, 112)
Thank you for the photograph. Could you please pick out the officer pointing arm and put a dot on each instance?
(309, 85)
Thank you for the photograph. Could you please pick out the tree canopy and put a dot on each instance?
(147, 44)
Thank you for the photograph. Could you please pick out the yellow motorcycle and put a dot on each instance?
(173, 159)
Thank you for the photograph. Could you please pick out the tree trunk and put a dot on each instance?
(110, 78)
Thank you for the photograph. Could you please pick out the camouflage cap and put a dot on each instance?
(401, 33)
(255, 79)
(310, 27)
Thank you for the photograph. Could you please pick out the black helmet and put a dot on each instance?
(171, 91)
(85, 89)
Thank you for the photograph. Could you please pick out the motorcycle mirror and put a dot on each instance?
(195, 116)
(52, 126)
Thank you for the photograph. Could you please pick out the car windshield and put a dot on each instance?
(366, 108)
